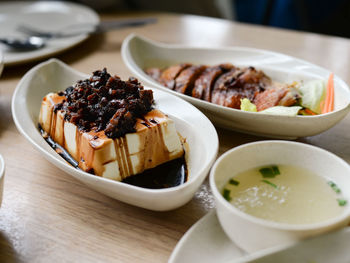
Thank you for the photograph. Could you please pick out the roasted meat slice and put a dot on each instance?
(276, 94)
(204, 84)
(168, 76)
(290, 98)
(185, 81)
(226, 85)
(269, 98)
(154, 73)
(236, 84)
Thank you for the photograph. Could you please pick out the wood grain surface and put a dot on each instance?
(47, 216)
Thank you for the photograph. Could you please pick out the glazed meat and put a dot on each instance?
(185, 81)
(167, 78)
(226, 85)
(269, 98)
(204, 84)
(290, 98)
(154, 73)
(276, 94)
(236, 84)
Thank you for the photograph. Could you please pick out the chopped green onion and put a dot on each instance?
(234, 182)
(342, 202)
(226, 194)
(275, 169)
(269, 172)
(334, 187)
(269, 183)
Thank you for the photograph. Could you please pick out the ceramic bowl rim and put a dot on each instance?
(2, 166)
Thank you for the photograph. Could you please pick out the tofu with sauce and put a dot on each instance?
(155, 142)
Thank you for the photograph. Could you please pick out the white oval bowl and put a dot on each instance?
(201, 137)
(1, 62)
(252, 233)
(140, 53)
(2, 176)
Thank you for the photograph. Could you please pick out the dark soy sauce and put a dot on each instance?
(166, 175)
(59, 149)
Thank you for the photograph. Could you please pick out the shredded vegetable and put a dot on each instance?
(329, 101)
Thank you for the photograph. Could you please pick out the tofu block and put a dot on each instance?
(155, 142)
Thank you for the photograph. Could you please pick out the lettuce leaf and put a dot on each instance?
(313, 93)
(246, 105)
(282, 110)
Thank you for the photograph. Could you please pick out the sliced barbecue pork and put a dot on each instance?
(185, 81)
(236, 84)
(154, 73)
(205, 83)
(226, 85)
(168, 76)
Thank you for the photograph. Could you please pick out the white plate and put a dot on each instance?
(200, 134)
(2, 175)
(1, 62)
(44, 15)
(206, 242)
(139, 53)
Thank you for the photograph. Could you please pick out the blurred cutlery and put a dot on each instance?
(79, 29)
(25, 44)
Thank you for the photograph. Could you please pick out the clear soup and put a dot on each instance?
(285, 194)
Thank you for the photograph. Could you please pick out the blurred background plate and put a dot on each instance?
(44, 15)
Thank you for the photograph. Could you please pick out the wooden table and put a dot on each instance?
(47, 216)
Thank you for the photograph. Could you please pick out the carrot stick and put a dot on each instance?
(310, 112)
(329, 100)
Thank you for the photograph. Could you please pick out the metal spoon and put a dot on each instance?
(29, 43)
(86, 28)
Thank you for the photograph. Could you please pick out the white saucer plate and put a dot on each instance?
(46, 16)
(206, 242)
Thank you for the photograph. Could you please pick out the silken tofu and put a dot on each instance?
(155, 142)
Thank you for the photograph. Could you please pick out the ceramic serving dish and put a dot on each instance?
(140, 53)
(201, 137)
(251, 233)
(1, 62)
(2, 175)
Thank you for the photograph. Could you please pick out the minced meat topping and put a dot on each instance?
(107, 103)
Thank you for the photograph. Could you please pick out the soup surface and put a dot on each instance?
(286, 194)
